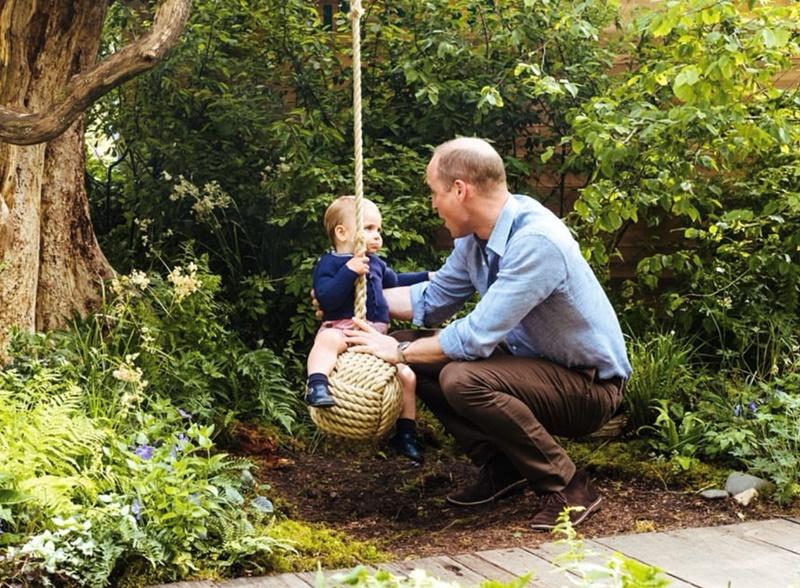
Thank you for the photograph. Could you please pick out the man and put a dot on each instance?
(541, 354)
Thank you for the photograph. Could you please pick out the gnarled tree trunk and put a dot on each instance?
(50, 263)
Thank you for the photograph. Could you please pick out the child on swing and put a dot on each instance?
(334, 287)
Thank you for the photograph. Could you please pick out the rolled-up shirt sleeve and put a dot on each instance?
(436, 301)
(531, 268)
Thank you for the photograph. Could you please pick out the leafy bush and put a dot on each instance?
(246, 132)
(695, 136)
(107, 461)
(167, 335)
(662, 370)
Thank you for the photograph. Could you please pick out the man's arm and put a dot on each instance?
(399, 300)
(426, 350)
(531, 269)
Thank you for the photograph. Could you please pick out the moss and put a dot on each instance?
(316, 545)
(633, 459)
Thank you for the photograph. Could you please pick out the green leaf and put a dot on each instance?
(775, 38)
(665, 25)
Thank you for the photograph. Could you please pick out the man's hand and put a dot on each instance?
(315, 304)
(359, 263)
(367, 340)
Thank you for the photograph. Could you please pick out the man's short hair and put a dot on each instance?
(469, 159)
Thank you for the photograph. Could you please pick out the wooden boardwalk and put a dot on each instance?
(760, 554)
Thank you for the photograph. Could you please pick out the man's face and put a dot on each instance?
(447, 203)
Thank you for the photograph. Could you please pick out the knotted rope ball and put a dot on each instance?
(368, 398)
(367, 392)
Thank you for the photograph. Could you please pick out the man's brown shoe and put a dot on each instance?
(493, 483)
(579, 492)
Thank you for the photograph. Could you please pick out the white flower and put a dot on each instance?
(139, 279)
(128, 374)
(184, 284)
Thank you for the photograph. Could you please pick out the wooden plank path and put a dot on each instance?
(759, 554)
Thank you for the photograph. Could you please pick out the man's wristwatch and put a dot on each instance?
(401, 347)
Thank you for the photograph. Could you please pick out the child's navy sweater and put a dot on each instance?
(334, 286)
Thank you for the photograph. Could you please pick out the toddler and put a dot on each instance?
(334, 287)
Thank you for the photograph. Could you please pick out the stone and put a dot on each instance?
(738, 482)
(746, 497)
(714, 494)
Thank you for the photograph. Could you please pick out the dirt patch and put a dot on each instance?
(402, 508)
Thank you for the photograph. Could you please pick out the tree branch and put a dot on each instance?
(22, 128)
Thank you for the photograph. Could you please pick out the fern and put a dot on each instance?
(49, 449)
(262, 372)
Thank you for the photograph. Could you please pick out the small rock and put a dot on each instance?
(714, 494)
(738, 482)
(746, 497)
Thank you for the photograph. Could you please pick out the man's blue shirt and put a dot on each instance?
(334, 286)
(538, 296)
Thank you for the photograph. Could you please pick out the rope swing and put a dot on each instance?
(367, 392)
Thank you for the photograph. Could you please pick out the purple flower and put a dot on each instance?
(752, 406)
(144, 452)
(184, 414)
(136, 509)
(737, 410)
(182, 437)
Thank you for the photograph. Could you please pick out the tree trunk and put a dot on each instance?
(50, 262)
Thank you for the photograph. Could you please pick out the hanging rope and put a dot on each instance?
(356, 12)
(367, 393)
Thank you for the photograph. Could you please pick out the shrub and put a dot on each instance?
(695, 133)
(662, 370)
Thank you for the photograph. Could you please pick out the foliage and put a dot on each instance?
(103, 468)
(316, 546)
(618, 571)
(695, 138)
(246, 132)
(156, 494)
(361, 576)
(634, 459)
(661, 366)
(167, 335)
(774, 427)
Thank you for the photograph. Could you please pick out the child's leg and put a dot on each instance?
(328, 344)
(408, 382)
(404, 439)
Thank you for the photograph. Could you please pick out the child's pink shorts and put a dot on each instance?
(347, 324)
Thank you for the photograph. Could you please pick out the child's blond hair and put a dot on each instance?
(339, 212)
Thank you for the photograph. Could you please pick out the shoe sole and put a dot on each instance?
(322, 405)
(514, 486)
(593, 507)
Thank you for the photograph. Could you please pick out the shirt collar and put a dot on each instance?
(502, 227)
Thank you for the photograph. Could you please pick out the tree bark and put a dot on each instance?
(50, 262)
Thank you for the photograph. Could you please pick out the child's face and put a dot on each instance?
(372, 231)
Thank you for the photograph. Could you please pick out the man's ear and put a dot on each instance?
(461, 189)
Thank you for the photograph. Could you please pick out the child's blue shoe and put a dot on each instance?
(318, 396)
(405, 443)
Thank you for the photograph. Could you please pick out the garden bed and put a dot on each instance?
(374, 496)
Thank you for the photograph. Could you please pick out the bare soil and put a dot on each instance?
(370, 494)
